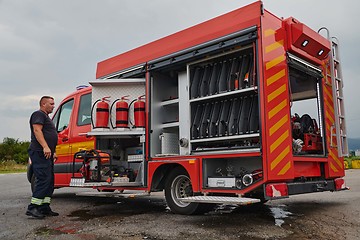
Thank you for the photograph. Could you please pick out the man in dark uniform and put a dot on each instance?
(42, 154)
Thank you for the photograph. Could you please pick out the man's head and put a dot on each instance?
(47, 104)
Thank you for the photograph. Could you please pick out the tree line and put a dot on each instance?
(14, 150)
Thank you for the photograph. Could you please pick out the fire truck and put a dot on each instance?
(240, 109)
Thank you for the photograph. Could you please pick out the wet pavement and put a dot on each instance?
(312, 216)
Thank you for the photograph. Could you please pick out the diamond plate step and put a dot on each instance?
(221, 200)
(80, 182)
(113, 194)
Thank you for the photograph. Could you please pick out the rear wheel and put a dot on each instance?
(178, 185)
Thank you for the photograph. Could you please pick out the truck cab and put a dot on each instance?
(72, 120)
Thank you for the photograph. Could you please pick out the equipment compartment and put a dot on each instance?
(222, 74)
(224, 102)
(239, 172)
(120, 162)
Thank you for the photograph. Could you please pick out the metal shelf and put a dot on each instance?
(226, 138)
(230, 151)
(123, 133)
(170, 125)
(169, 102)
(230, 93)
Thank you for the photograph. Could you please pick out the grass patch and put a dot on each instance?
(12, 167)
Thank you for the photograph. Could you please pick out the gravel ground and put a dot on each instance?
(312, 216)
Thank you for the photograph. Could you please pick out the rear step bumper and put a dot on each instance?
(310, 187)
(281, 190)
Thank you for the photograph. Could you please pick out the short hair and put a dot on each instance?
(44, 97)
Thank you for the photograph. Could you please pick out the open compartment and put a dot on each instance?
(164, 109)
(306, 108)
(224, 105)
(235, 173)
(120, 162)
(223, 73)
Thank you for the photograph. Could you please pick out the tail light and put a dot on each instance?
(276, 190)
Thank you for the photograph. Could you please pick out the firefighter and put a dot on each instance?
(42, 154)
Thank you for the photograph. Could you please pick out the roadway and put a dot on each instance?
(311, 216)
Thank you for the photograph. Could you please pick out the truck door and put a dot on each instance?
(62, 121)
(81, 125)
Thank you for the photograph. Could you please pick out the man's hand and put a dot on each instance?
(47, 152)
(55, 157)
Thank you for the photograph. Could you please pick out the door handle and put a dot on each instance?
(65, 139)
(85, 134)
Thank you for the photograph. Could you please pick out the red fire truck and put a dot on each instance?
(239, 109)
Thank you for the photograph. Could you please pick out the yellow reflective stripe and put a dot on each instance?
(277, 109)
(329, 106)
(275, 77)
(47, 200)
(329, 117)
(285, 169)
(79, 146)
(328, 93)
(275, 62)
(333, 167)
(278, 125)
(269, 32)
(279, 141)
(276, 93)
(279, 158)
(274, 46)
(36, 201)
(336, 159)
(63, 149)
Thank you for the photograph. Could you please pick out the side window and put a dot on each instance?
(84, 114)
(55, 119)
(62, 117)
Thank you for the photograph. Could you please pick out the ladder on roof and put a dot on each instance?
(337, 89)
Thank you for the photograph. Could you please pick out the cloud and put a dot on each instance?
(49, 47)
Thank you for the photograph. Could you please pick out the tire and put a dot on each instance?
(29, 172)
(178, 185)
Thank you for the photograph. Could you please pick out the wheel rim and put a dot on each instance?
(181, 187)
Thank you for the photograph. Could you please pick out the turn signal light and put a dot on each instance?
(276, 190)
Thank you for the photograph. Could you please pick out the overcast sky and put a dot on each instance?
(49, 47)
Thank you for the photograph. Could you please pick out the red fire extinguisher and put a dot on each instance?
(102, 113)
(122, 109)
(139, 112)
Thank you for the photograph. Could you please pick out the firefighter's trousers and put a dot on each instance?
(44, 178)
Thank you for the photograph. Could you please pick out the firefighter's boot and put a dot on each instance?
(46, 210)
(35, 212)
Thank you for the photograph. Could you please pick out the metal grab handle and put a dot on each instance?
(331, 136)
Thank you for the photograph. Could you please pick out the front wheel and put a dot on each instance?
(178, 185)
